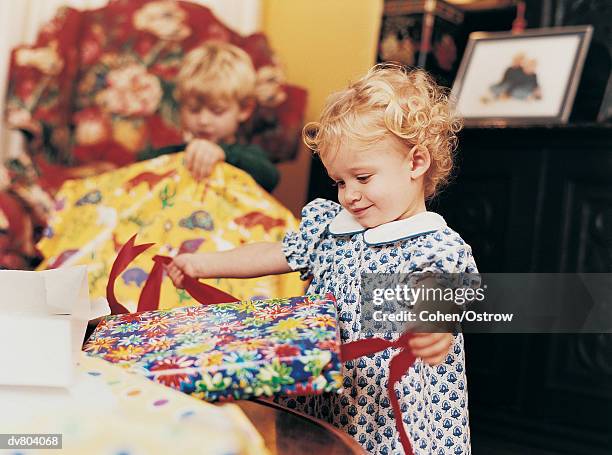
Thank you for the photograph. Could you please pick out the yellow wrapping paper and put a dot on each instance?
(159, 200)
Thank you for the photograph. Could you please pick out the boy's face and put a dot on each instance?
(375, 182)
(215, 121)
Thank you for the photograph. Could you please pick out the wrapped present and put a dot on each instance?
(234, 350)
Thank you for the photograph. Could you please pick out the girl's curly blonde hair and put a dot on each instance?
(391, 100)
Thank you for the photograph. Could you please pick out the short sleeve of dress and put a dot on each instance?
(443, 251)
(445, 257)
(301, 247)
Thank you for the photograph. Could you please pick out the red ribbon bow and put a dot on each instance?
(398, 366)
(149, 297)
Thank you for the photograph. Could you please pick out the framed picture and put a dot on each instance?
(526, 78)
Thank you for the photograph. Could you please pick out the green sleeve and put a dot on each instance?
(252, 159)
(154, 153)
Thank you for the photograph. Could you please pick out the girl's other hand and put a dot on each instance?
(432, 348)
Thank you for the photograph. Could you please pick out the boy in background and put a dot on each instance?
(215, 89)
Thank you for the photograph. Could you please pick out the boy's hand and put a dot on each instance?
(182, 265)
(431, 347)
(5, 179)
(201, 156)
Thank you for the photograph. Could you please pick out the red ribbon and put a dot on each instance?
(149, 297)
(398, 366)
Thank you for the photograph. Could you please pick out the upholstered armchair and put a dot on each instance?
(95, 92)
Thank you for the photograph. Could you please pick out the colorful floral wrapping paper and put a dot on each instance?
(160, 201)
(229, 351)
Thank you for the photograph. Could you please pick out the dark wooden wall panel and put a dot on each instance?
(534, 200)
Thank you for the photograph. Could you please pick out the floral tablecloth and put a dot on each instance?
(110, 411)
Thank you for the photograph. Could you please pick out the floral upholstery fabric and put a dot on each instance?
(96, 89)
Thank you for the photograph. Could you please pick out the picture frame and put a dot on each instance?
(521, 79)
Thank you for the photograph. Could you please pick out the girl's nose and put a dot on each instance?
(352, 194)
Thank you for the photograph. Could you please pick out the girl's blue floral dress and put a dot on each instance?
(334, 250)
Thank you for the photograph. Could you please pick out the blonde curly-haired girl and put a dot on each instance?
(387, 142)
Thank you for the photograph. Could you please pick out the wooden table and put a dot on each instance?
(289, 432)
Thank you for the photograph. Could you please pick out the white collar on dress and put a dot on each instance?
(422, 223)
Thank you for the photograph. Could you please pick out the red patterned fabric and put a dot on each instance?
(15, 236)
(96, 89)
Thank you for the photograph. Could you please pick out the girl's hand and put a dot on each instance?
(184, 265)
(201, 156)
(431, 347)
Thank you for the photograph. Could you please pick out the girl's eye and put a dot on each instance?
(363, 178)
(218, 110)
(338, 184)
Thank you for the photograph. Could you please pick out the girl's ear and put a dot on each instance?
(419, 160)
(246, 110)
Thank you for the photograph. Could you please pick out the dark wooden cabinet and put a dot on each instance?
(533, 199)
(538, 200)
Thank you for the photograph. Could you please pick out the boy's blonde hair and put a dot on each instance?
(216, 71)
(407, 104)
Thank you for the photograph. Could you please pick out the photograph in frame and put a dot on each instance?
(527, 78)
